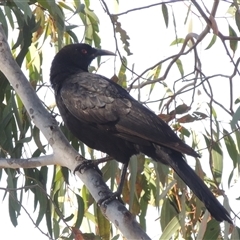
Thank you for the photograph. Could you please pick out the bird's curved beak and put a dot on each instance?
(101, 52)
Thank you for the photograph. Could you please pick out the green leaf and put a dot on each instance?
(217, 164)
(69, 218)
(217, 159)
(36, 136)
(171, 228)
(23, 5)
(180, 67)
(235, 233)
(168, 213)
(122, 73)
(237, 19)
(157, 71)
(237, 100)
(233, 43)
(65, 174)
(12, 213)
(4, 22)
(73, 36)
(79, 7)
(56, 228)
(237, 134)
(231, 147)
(177, 41)
(13, 203)
(103, 224)
(81, 210)
(165, 14)
(212, 231)
(8, 13)
(133, 165)
(63, 5)
(181, 109)
(235, 118)
(214, 38)
(42, 199)
(116, 237)
(162, 170)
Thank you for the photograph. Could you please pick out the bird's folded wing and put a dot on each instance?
(96, 100)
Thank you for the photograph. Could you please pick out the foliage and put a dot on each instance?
(179, 86)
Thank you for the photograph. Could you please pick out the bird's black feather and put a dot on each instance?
(104, 116)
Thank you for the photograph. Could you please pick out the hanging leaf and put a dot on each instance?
(3, 22)
(175, 25)
(235, 118)
(104, 227)
(165, 14)
(231, 147)
(80, 210)
(177, 41)
(186, 119)
(180, 67)
(212, 231)
(214, 38)
(23, 5)
(123, 35)
(171, 228)
(217, 167)
(122, 73)
(183, 108)
(237, 18)
(233, 43)
(217, 160)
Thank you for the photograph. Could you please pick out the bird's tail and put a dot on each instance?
(176, 161)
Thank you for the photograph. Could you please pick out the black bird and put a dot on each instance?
(105, 117)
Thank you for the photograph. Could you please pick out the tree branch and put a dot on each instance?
(28, 162)
(145, 7)
(63, 153)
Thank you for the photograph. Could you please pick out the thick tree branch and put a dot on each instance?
(63, 153)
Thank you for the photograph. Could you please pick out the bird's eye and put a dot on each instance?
(84, 51)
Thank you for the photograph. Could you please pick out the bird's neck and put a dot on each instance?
(59, 74)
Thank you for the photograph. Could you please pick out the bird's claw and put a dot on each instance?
(107, 199)
(86, 164)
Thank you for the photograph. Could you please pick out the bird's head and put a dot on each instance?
(75, 57)
(79, 55)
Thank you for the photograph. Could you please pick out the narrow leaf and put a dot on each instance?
(80, 212)
(236, 118)
(4, 22)
(104, 227)
(237, 19)
(168, 213)
(233, 43)
(177, 41)
(180, 67)
(171, 228)
(165, 14)
(213, 230)
(214, 38)
(231, 147)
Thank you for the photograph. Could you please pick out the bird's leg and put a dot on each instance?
(92, 164)
(117, 194)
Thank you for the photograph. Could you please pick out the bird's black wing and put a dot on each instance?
(95, 99)
(102, 103)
